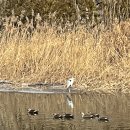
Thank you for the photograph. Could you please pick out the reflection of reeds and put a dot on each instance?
(14, 109)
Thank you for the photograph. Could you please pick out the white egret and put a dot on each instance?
(70, 82)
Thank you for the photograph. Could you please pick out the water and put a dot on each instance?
(13, 111)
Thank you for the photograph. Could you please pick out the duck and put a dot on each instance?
(33, 112)
(68, 116)
(95, 115)
(89, 115)
(103, 119)
(57, 116)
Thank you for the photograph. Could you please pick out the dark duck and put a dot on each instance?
(33, 112)
(68, 116)
(57, 116)
(103, 119)
(89, 115)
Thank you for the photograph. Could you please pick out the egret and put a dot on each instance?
(70, 82)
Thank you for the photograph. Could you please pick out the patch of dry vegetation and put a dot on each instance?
(53, 57)
(87, 40)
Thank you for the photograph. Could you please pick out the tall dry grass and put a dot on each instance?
(52, 57)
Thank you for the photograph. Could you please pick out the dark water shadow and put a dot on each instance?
(14, 116)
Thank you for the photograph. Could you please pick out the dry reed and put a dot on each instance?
(52, 57)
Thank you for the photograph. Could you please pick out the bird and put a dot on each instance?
(70, 82)
(96, 115)
(103, 119)
(88, 115)
(68, 116)
(70, 102)
(32, 112)
(57, 116)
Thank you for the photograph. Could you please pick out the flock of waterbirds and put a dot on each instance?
(69, 116)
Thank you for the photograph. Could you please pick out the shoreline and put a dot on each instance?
(97, 64)
(46, 88)
(40, 87)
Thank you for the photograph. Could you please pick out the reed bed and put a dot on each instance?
(49, 56)
(94, 48)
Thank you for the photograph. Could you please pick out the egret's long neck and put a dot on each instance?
(82, 114)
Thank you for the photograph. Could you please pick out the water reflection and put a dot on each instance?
(14, 116)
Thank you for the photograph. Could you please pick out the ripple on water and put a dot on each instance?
(14, 114)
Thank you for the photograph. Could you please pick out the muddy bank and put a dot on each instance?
(41, 87)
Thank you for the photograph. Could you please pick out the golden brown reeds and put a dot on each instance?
(53, 57)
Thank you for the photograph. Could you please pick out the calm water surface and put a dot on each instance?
(13, 111)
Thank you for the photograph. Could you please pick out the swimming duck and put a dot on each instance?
(68, 116)
(88, 115)
(33, 112)
(103, 119)
(57, 116)
(95, 115)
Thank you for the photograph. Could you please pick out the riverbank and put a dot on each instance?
(40, 87)
(99, 58)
